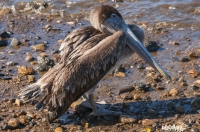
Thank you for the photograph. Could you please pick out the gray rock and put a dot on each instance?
(44, 64)
(10, 63)
(151, 46)
(14, 42)
(3, 43)
(5, 34)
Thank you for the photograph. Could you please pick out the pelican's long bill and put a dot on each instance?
(116, 23)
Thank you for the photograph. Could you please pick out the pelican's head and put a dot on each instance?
(108, 20)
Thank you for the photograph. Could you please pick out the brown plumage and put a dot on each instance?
(87, 55)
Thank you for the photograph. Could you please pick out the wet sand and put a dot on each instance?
(150, 109)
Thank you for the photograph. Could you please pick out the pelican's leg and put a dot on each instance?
(100, 111)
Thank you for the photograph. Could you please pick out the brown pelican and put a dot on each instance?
(87, 55)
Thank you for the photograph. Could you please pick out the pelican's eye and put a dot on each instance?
(113, 15)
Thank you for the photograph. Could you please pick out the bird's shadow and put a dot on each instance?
(150, 109)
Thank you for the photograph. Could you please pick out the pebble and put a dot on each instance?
(126, 89)
(140, 86)
(160, 87)
(31, 78)
(60, 40)
(44, 64)
(18, 102)
(38, 47)
(173, 92)
(10, 52)
(185, 59)
(151, 46)
(120, 74)
(43, 54)
(23, 119)
(140, 66)
(192, 55)
(5, 11)
(5, 34)
(126, 96)
(3, 43)
(13, 122)
(136, 97)
(180, 109)
(87, 125)
(128, 119)
(174, 43)
(24, 70)
(149, 68)
(197, 83)
(148, 122)
(194, 72)
(59, 129)
(10, 63)
(29, 57)
(14, 42)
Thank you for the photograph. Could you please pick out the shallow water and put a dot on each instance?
(171, 13)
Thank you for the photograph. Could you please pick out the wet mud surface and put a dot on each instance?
(148, 102)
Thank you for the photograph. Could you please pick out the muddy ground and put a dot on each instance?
(151, 106)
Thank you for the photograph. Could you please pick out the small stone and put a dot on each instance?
(148, 122)
(128, 119)
(126, 96)
(136, 97)
(10, 63)
(38, 47)
(3, 43)
(43, 54)
(14, 42)
(5, 35)
(5, 11)
(87, 125)
(25, 70)
(149, 68)
(60, 40)
(30, 114)
(180, 109)
(140, 66)
(151, 46)
(173, 92)
(141, 86)
(120, 74)
(174, 43)
(13, 122)
(192, 55)
(31, 78)
(18, 102)
(197, 83)
(185, 59)
(72, 23)
(23, 120)
(194, 72)
(160, 87)
(33, 63)
(59, 129)
(10, 52)
(29, 57)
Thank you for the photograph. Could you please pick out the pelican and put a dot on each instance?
(88, 54)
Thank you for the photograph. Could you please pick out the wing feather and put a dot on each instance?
(82, 68)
